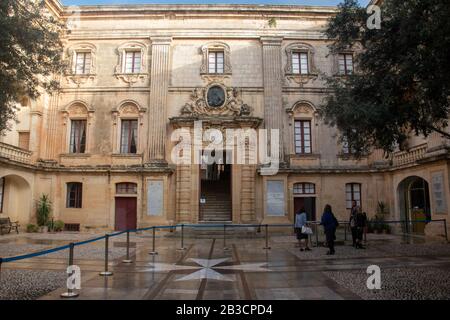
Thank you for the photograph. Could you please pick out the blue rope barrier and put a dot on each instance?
(35, 254)
(44, 252)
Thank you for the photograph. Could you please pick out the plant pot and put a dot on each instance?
(43, 229)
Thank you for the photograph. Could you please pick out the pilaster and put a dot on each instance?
(159, 85)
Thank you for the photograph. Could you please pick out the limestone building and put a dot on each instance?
(101, 148)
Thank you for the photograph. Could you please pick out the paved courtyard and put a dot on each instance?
(410, 269)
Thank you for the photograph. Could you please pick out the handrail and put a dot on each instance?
(64, 247)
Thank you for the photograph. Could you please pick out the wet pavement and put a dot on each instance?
(244, 270)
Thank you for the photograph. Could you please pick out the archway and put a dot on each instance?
(16, 199)
(414, 203)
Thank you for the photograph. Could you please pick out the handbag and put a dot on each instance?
(307, 230)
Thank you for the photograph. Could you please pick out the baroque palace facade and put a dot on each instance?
(101, 147)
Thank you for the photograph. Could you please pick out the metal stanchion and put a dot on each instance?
(70, 293)
(267, 238)
(127, 259)
(317, 235)
(225, 248)
(345, 232)
(153, 252)
(106, 273)
(182, 238)
(445, 228)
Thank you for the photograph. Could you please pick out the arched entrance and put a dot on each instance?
(414, 203)
(16, 199)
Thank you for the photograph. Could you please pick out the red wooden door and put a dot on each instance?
(126, 213)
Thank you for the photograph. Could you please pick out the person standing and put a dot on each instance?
(329, 223)
(361, 222)
(300, 222)
(352, 222)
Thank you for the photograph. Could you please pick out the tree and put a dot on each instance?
(30, 53)
(402, 81)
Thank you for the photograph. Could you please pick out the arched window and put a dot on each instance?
(304, 188)
(126, 188)
(74, 198)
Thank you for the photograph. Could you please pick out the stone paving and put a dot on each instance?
(204, 271)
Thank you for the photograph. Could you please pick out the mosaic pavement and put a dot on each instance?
(204, 270)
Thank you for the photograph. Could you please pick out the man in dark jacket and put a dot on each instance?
(329, 223)
(361, 222)
(352, 221)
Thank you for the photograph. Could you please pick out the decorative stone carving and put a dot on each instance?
(300, 79)
(302, 107)
(232, 105)
(216, 46)
(81, 79)
(119, 71)
(77, 110)
(128, 109)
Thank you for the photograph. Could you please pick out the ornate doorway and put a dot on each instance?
(215, 190)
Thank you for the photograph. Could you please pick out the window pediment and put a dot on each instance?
(300, 76)
(89, 71)
(138, 72)
(215, 47)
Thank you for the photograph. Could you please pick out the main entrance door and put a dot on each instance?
(215, 195)
(126, 213)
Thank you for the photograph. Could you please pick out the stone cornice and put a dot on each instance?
(199, 10)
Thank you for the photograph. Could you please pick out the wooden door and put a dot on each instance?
(126, 213)
(309, 204)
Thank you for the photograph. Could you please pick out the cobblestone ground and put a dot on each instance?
(29, 284)
(399, 283)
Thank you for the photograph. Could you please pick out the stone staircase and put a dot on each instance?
(218, 202)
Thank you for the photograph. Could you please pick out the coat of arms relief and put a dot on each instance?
(216, 99)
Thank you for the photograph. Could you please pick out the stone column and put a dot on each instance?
(273, 73)
(159, 87)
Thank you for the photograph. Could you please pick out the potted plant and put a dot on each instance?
(43, 211)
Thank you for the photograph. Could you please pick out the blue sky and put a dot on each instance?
(292, 2)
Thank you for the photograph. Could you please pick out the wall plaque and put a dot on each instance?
(155, 197)
(275, 202)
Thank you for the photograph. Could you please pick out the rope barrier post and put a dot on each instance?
(317, 235)
(106, 273)
(225, 248)
(267, 238)
(445, 228)
(345, 232)
(1, 261)
(153, 252)
(70, 293)
(127, 259)
(182, 238)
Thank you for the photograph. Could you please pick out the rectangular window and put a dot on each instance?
(300, 63)
(2, 192)
(83, 63)
(74, 195)
(345, 64)
(302, 132)
(216, 62)
(353, 193)
(78, 136)
(24, 140)
(132, 62)
(126, 188)
(304, 188)
(128, 136)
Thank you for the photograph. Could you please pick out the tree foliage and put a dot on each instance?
(402, 80)
(30, 53)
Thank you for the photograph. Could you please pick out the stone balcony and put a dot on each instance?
(15, 154)
(411, 156)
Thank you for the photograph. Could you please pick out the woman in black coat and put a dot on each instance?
(329, 223)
